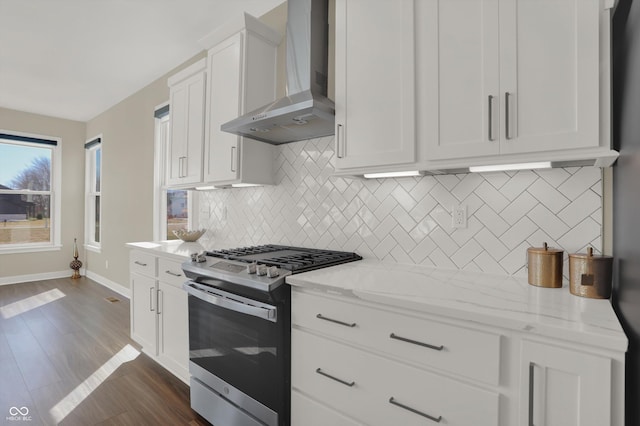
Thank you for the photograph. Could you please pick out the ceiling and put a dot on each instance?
(75, 59)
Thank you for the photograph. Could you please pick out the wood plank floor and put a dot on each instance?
(66, 355)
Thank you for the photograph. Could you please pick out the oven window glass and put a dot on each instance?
(238, 348)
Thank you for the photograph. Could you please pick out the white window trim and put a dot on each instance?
(159, 183)
(56, 194)
(89, 209)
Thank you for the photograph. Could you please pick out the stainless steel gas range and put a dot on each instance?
(239, 330)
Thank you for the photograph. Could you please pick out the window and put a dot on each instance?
(29, 192)
(93, 184)
(173, 207)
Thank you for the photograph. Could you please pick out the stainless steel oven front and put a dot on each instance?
(239, 351)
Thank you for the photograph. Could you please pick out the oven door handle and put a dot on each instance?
(232, 302)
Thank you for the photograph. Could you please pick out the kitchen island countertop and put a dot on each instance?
(501, 301)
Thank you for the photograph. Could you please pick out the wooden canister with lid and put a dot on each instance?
(590, 275)
(545, 266)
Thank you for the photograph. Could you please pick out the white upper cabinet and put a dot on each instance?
(241, 77)
(187, 102)
(375, 83)
(509, 77)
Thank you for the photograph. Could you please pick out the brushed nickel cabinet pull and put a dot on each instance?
(185, 167)
(159, 300)
(346, 324)
(415, 342)
(506, 115)
(339, 152)
(172, 273)
(490, 117)
(413, 410)
(344, 382)
(151, 299)
(233, 163)
(140, 263)
(531, 389)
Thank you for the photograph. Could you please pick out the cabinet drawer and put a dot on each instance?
(142, 263)
(170, 272)
(432, 344)
(372, 382)
(307, 412)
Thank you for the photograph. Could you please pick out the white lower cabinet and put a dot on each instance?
(159, 311)
(437, 369)
(143, 315)
(563, 387)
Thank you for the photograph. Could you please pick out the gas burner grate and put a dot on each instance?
(294, 259)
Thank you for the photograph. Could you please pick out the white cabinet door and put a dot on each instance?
(458, 77)
(550, 73)
(173, 342)
(562, 387)
(500, 77)
(144, 312)
(184, 152)
(224, 66)
(375, 113)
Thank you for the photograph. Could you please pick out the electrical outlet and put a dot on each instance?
(106, 264)
(459, 216)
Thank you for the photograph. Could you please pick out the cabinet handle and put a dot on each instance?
(490, 118)
(531, 376)
(151, 299)
(346, 324)
(140, 263)
(415, 342)
(172, 273)
(159, 298)
(344, 382)
(339, 152)
(413, 410)
(180, 166)
(185, 172)
(233, 149)
(507, 95)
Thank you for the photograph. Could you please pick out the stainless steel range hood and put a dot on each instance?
(305, 112)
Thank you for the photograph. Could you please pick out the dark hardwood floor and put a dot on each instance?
(66, 355)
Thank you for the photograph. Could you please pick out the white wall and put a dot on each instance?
(24, 266)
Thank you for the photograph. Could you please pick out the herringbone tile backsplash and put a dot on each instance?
(408, 220)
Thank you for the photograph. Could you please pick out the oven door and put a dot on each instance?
(237, 349)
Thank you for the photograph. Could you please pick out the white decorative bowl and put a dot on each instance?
(189, 236)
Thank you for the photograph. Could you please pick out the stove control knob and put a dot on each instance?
(251, 268)
(261, 270)
(273, 272)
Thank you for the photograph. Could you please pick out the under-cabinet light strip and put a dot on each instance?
(507, 167)
(391, 174)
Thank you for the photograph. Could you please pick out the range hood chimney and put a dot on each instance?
(305, 112)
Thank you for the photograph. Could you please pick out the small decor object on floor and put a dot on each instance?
(75, 263)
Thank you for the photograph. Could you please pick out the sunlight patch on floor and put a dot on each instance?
(84, 389)
(25, 305)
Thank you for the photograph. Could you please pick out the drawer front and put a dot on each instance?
(307, 412)
(385, 392)
(432, 344)
(142, 263)
(170, 272)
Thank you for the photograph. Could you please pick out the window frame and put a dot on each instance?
(55, 193)
(91, 148)
(162, 129)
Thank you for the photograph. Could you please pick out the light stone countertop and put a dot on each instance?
(501, 301)
(175, 249)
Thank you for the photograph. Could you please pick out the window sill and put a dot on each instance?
(93, 248)
(29, 249)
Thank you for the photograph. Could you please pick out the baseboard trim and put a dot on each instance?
(17, 279)
(112, 285)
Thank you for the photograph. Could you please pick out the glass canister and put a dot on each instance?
(590, 275)
(545, 266)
